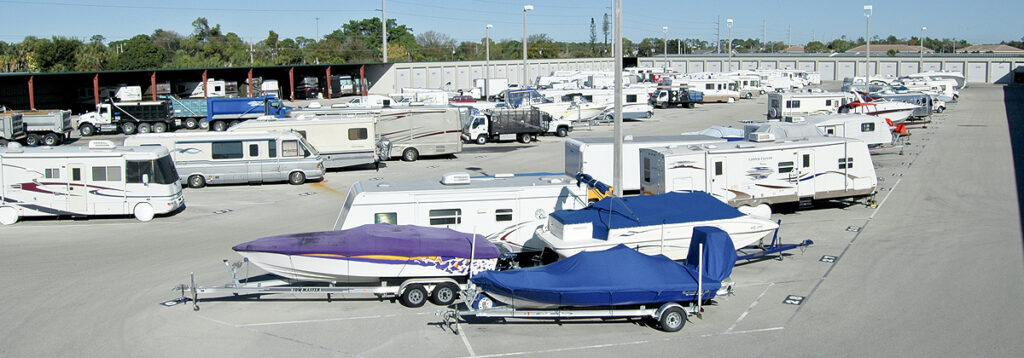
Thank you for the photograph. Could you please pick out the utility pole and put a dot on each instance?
(617, 129)
(250, 51)
(384, 30)
(789, 33)
(718, 33)
(764, 33)
(317, 29)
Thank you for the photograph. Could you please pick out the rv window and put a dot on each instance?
(254, 150)
(785, 167)
(775, 103)
(445, 216)
(76, 174)
(357, 133)
(52, 173)
(718, 168)
(385, 218)
(830, 131)
(867, 127)
(301, 133)
(290, 148)
(630, 98)
(845, 163)
(709, 86)
(133, 170)
(272, 148)
(227, 150)
(828, 102)
(112, 173)
(807, 160)
(796, 104)
(647, 170)
(503, 215)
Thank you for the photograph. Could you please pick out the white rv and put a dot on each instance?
(505, 208)
(715, 89)
(343, 141)
(594, 156)
(237, 157)
(873, 130)
(802, 104)
(101, 179)
(411, 131)
(763, 171)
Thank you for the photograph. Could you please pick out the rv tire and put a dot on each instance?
(481, 139)
(414, 296)
(159, 127)
(410, 155)
(191, 123)
(196, 181)
(143, 212)
(145, 128)
(748, 95)
(562, 131)
(219, 126)
(296, 178)
(672, 319)
(128, 128)
(51, 139)
(86, 130)
(32, 140)
(444, 293)
(8, 215)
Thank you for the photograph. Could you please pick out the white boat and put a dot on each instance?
(652, 224)
(892, 110)
(961, 82)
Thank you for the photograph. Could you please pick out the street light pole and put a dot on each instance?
(664, 38)
(487, 81)
(526, 69)
(867, 62)
(384, 29)
(728, 23)
(920, 66)
(617, 129)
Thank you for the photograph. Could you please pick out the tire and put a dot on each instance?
(444, 294)
(691, 105)
(748, 95)
(32, 140)
(219, 126)
(159, 127)
(143, 212)
(414, 296)
(410, 155)
(204, 125)
(51, 139)
(196, 181)
(525, 138)
(562, 132)
(672, 320)
(87, 129)
(8, 215)
(145, 128)
(650, 114)
(128, 128)
(234, 123)
(191, 123)
(296, 178)
(481, 139)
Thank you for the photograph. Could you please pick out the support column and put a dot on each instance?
(152, 83)
(31, 93)
(96, 88)
(204, 84)
(362, 79)
(329, 82)
(291, 82)
(250, 84)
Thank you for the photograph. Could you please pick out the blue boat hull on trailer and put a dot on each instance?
(616, 277)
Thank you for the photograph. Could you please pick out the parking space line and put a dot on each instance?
(329, 320)
(745, 313)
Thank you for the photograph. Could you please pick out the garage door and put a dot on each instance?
(750, 65)
(449, 79)
(695, 66)
(932, 66)
(976, 72)
(768, 65)
(957, 67)
(907, 67)
(476, 72)
(827, 71)
(1000, 73)
(463, 77)
(512, 73)
(887, 69)
(845, 69)
(787, 65)
(434, 77)
(402, 79)
(714, 66)
(419, 77)
(806, 66)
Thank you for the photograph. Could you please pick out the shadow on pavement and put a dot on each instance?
(1013, 98)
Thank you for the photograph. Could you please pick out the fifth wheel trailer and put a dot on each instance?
(594, 155)
(343, 141)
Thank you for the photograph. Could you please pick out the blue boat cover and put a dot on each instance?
(618, 276)
(669, 208)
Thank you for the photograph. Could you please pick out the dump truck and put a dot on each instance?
(11, 128)
(128, 117)
(46, 127)
(671, 96)
(222, 113)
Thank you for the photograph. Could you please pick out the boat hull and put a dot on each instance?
(368, 268)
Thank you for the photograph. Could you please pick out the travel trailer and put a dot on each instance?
(237, 157)
(715, 89)
(505, 208)
(594, 155)
(101, 179)
(343, 141)
(762, 170)
(782, 105)
(413, 131)
(874, 131)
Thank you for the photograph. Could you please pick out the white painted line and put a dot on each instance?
(744, 314)
(465, 340)
(879, 207)
(329, 320)
(757, 330)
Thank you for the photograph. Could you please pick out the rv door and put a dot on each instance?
(78, 193)
(805, 173)
(254, 164)
(718, 183)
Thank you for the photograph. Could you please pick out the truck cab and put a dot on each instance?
(476, 130)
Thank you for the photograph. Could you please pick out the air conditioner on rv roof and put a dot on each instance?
(761, 137)
(455, 178)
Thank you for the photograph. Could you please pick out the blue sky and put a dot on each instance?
(978, 21)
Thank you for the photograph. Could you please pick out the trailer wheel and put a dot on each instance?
(234, 123)
(219, 126)
(296, 178)
(196, 181)
(410, 155)
(8, 215)
(159, 127)
(444, 294)
(143, 212)
(145, 128)
(87, 129)
(481, 139)
(51, 139)
(562, 132)
(191, 123)
(672, 319)
(748, 95)
(414, 296)
(32, 140)
(128, 128)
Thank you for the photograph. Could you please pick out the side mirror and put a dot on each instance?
(145, 179)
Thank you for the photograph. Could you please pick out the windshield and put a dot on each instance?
(308, 146)
(164, 171)
(160, 171)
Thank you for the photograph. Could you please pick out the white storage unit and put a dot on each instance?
(1000, 73)
(846, 69)
(402, 78)
(807, 66)
(714, 66)
(787, 65)
(907, 68)
(827, 71)
(887, 68)
(977, 72)
(695, 66)
(419, 77)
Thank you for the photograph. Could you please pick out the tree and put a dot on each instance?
(368, 33)
(605, 26)
(57, 55)
(139, 53)
(815, 47)
(435, 46)
(593, 36)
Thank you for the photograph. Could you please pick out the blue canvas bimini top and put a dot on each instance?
(647, 210)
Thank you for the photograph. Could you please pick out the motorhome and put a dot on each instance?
(213, 88)
(101, 179)
(343, 141)
(802, 104)
(594, 155)
(412, 131)
(237, 157)
(762, 170)
(714, 89)
(508, 209)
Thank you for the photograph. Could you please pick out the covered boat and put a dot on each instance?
(371, 252)
(615, 277)
(652, 224)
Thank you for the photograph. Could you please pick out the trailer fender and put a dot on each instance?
(665, 307)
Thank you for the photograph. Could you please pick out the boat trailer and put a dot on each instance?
(774, 247)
